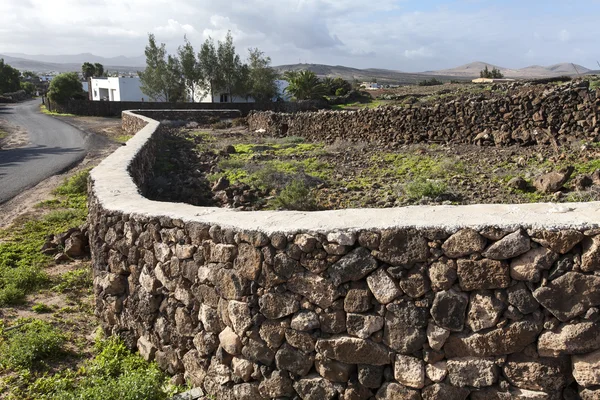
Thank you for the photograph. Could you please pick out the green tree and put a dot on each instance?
(88, 70)
(230, 67)
(190, 68)
(173, 80)
(9, 78)
(153, 78)
(493, 74)
(485, 73)
(99, 69)
(30, 75)
(28, 87)
(65, 87)
(208, 63)
(261, 77)
(304, 85)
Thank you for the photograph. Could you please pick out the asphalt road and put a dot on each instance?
(54, 147)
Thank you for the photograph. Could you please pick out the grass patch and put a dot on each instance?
(41, 308)
(415, 166)
(21, 262)
(3, 134)
(28, 345)
(369, 105)
(122, 138)
(45, 110)
(115, 373)
(76, 280)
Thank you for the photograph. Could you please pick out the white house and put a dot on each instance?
(203, 96)
(118, 89)
(370, 85)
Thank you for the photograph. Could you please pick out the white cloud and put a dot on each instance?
(421, 52)
(378, 34)
(173, 28)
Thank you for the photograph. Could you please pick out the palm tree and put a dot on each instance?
(304, 85)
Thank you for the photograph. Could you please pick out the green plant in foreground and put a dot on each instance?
(21, 262)
(420, 188)
(115, 373)
(78, 279)
(296, 196)
(25, 346)
(41, 308)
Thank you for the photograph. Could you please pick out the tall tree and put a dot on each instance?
(99, 69)
(174, 81)
(153, 78)
(230, 66)
(9, 78)
(208, 63)
(261, 77)
(190, 68)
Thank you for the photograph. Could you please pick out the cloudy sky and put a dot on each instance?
(406, 35)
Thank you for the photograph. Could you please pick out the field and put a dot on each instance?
(235, 168)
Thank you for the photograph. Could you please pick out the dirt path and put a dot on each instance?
(12, 136)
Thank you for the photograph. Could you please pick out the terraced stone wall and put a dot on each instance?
(558, 115)
(350, 304)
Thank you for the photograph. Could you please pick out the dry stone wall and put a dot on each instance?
(557, 115)
(348, 304)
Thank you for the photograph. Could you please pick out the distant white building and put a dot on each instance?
(118, 89)
(370, 85)
(203, 96)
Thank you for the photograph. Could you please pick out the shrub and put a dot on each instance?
(29, 344)
(64, 87)
(420, 188)
(296, 196)
(430, 82)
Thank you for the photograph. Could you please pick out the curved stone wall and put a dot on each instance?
(444, 302)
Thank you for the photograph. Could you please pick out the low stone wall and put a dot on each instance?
(131, 123)
(444, 302)
(557, 115)
(115, 108)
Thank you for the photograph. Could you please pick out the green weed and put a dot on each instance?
(296, 196)
(44, 110)
(41, 308)
(420, 188)
(78, 279)
(122, 138)
(27, 345)
(114, 373)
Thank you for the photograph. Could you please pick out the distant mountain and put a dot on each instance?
(472, 70)
(41, 67)
(350, 74)
(139, 61)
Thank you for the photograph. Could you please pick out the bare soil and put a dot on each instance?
(104, 126)
(12, 136)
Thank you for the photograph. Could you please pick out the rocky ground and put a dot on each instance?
(235, 168)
